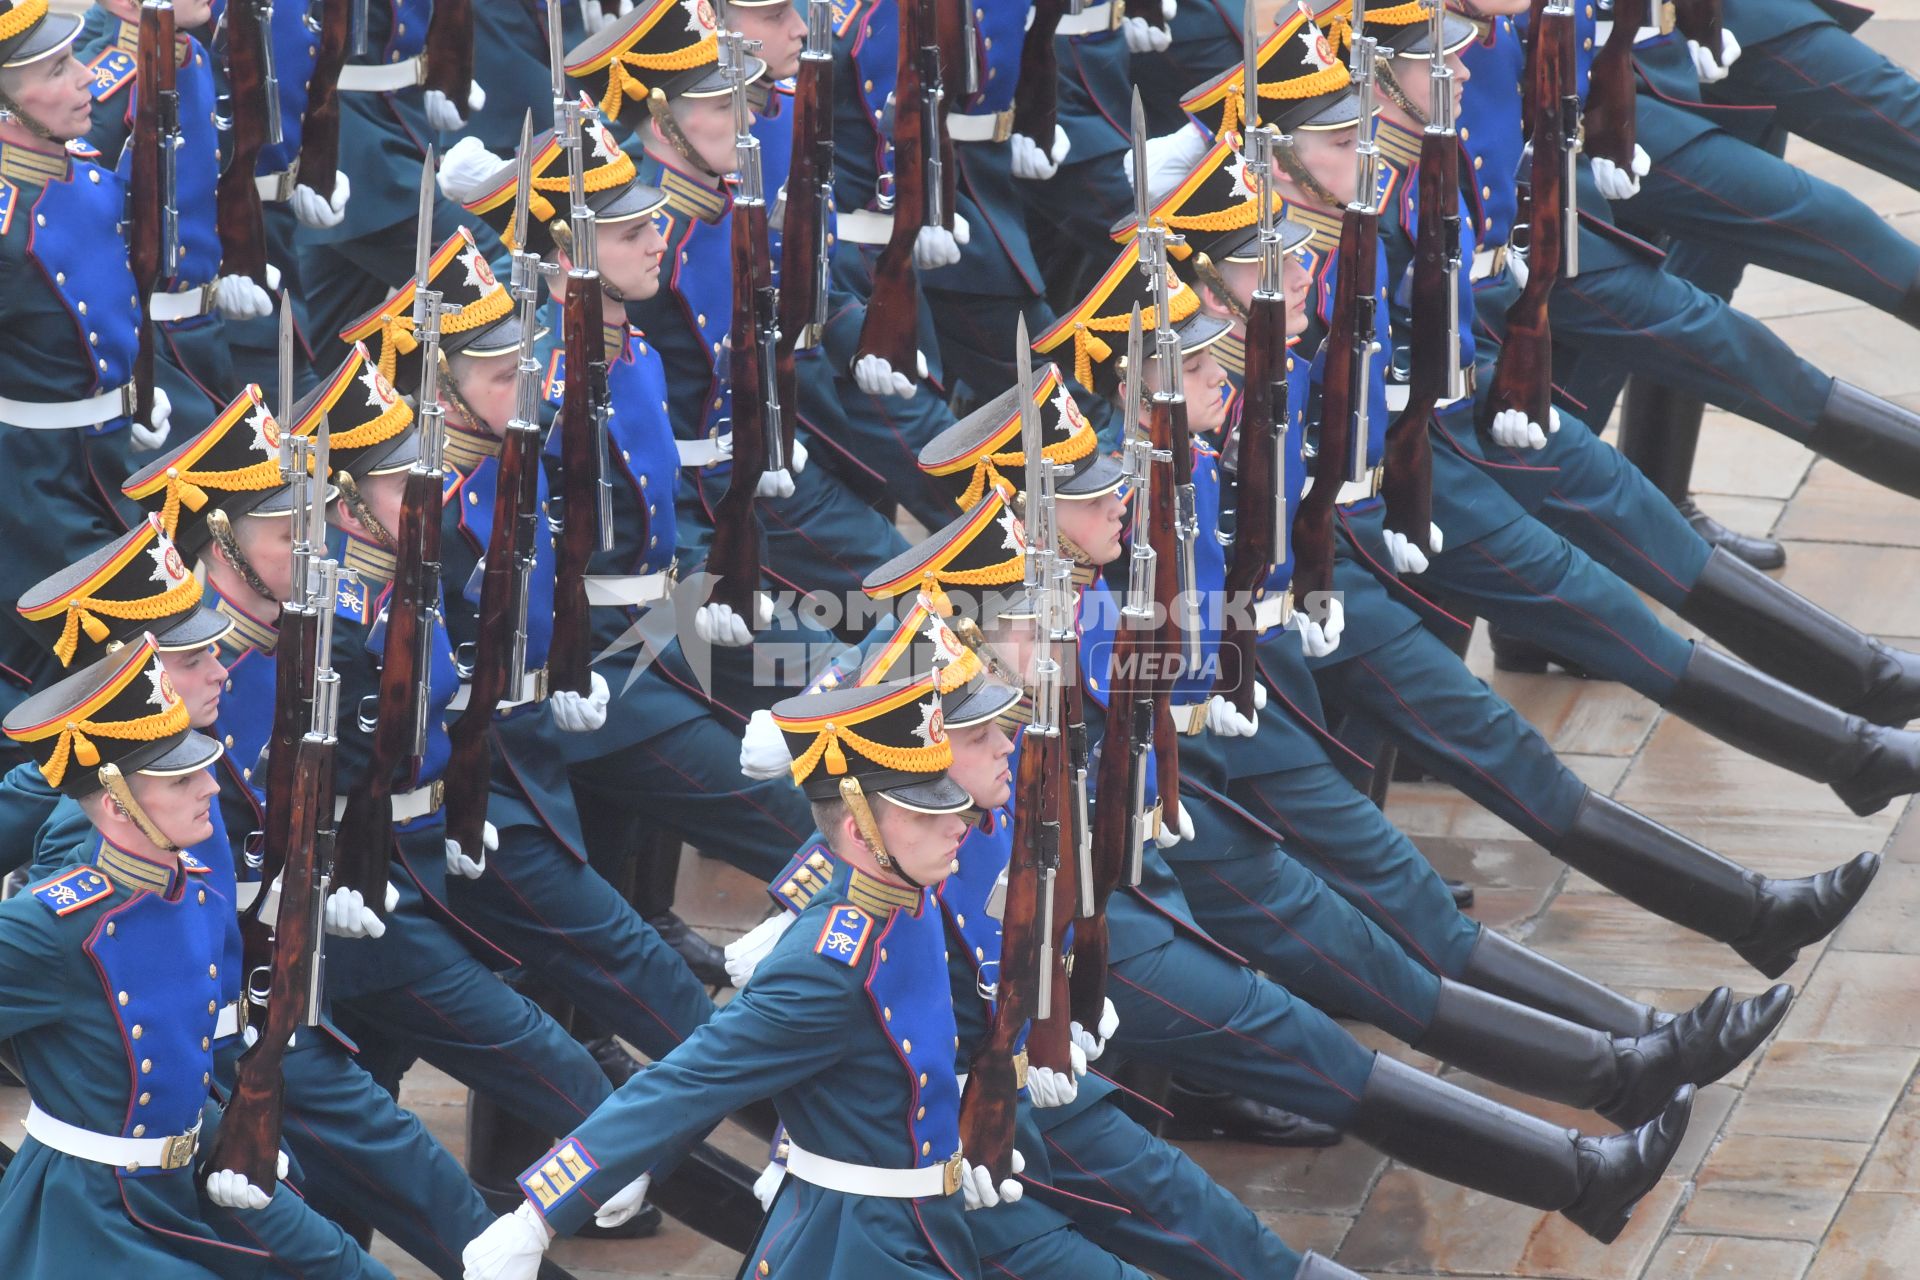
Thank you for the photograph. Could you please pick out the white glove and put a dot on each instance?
(148, 438)
(935, 247)
(240, 298)
(1144, 37)
(1517, 267)
(510, 1249)
(393, 896)
(1408, 558)
(593, 16)
(1170, 157)
(459, 864)
(443, 115)
(1512, 428)
(1318, 639)
(320, 213)
(581, 713)
(1172, 833)
(1224, 719)
(877, 378)
(468, 170)
(745, 952)
(763, 748)
(623, 1204)
(775, 484)
(1029, 161)
(976, 1183)
(767, 1185)
(1616, 183)
(797, 458)
(1049, 1088)
(230, 1190)
(717, 623)
(1093, 1044)
(1712, 72)
(347, 916)
(1169, 9)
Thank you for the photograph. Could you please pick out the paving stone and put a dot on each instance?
(1876, 1237)
(1836, 505)
(1331, 1180)
(1775, 1188)
(1805, 1089)
(1859, 998)
(1888, 918)
(1683, 1257)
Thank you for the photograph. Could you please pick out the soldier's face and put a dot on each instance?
(384, 495)
(181, 807)
(1299, 286)
(1328, 155)
(1416, 80)
(56, 92)
(779, 28)
(630, 254)
(486, 384)
(708, 124)
(1205, 385)
(198, 677)
(980, 756)
(267, 543)
(922, 843)
(1093, 525)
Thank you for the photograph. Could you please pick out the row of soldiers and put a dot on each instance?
(1225, 364)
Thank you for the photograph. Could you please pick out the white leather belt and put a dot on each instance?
(1092, 20)
(64, 415)
(997, 127)
(131, 1154)
(639, 589)
(707, 451)
(383, 77)
(1275, 609)
(1487, 263)
(869, 1180)
(230, 1023)
(245, 893)
(1398, 394)
(276, 188)
(1652, 31)
(533, 687)
(1353, 490)
(188, 304)
(875, 226)
(417, 803)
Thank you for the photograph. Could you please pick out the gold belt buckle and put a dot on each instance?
(1116, 10)
(1003, 125)
(538, 680)
(1020, 1070)
(436, 794)
(179, 1149)
(950, 1175)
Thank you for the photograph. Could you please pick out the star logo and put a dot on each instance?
(604, 146)
(168, 569)
(700, 19)
(380, 393)
(932, 729)
(163, 695)
(1237, 167)
(1011, 523)
(479, 274)
(1319, 54)
(1068, 410)
(266, 432)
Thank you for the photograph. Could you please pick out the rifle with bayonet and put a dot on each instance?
(1036, 95)
(1259, 506)
(399, 721)
(804, 256)
(1610, 127)
(1434, 375)
(289, 984)
(253, 110)
(1348, 347)
(500, 651)
(758, 437)
(449, 51)
(1523, 376)
(1119, 824)
(319, 162)
(1023, 994)
(153, 249)
(586, 496)
(919, 191)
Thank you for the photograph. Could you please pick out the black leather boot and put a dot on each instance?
(1626, 1079)
(1523, 657)
(1875, 438)
(1867, 765)
(708, 962)
(1793, 639)
(1473, 1141)
(1199, 1112)
(1766, 920)
(1504, 967)
(1761, 553)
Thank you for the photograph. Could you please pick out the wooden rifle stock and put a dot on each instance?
(1313, 521)
(988, 1106)
(319, 161)
(148, 198)
(1166, 425)
(366, 834)
(1610, 87)
(516, 502)
(1036, 96)
(1129, 723)
(735, 553)
(1523, 376)
(1050, 1042)
(1408, 482)
(584, 331)
(809, 189)
(1151, 12)
(1257, 500)
(249, 1138)
(892, 326)
(237, 215)
(450, 51)
(1700, 22)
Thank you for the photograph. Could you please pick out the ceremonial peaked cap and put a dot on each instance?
(1402, 30)
(984, 447)
(985, 548)
(233, 466)
(466, 283)
(28, 32)
(1215, 210)
(891, 738)
(609, 180)
(1097, 328)
(370, 427)
(668, 47)
(135, 586)
(922, 642)
(1303, 83)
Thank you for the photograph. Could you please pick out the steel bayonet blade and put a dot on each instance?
(1142, 200)
(556, 54)
(283, 407)
(1250, 68)
(1029, 421)
(423, 230)
(523, 184)
(1136, 342)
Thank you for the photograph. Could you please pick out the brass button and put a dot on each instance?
(906, 1046)
(146, 1066)
(883, 955)
(203, 895)
(139, 1131)
(764, 1268)
(145, 1098)
(205, 1043)
(213, 971)
(138, 1031)
(923, 1079)
(122, 998)
(926, 1148)
(886, 1014)
(110, 928)
(921, 1114)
